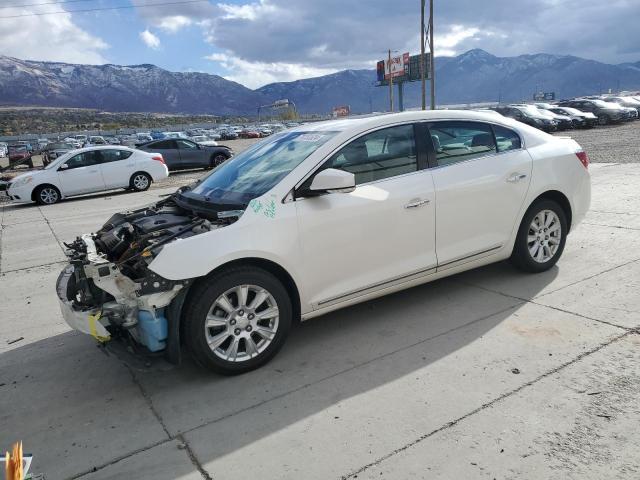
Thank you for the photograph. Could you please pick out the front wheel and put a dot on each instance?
(140, 182)
(541, 237)
(47, 195)
(218, 159)
(237, 320)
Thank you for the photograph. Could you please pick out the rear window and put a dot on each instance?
(459, 141)
(506, 139)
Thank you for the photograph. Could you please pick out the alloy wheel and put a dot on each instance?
(141, 182)
(241, 323)
(49, 195)
(544, 236)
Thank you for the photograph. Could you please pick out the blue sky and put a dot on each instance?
(261, 41)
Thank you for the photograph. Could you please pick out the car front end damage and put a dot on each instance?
(108, 290)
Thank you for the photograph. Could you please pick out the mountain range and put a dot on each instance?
(474, 76)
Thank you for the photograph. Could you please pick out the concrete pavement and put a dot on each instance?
(489, 374)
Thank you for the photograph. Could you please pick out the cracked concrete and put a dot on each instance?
(488, 374)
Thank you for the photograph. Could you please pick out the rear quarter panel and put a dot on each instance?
(556, 167)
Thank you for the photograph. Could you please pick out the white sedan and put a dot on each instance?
(88, 170)
(320, 217)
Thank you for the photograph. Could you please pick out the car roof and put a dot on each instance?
(364, 122)
(104, 147)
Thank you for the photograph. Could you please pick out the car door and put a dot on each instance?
(191, 155)
(117, 166)
(481, 178)
(379, 235)
(81, 174)
(169, 150)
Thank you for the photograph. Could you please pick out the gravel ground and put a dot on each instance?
(610, 144)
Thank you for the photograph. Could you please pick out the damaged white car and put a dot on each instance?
(318, 218)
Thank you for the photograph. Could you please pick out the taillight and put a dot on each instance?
(584, 159)
(158, 158)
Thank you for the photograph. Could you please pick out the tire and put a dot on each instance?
(217, 159)
(140, 181)
(46, 195)
(542, 252)
(603, 120)
(238, 329)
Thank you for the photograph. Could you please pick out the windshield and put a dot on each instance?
(17, 148)
(60, 160)
(259, 168)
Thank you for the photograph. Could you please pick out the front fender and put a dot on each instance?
(254, 235)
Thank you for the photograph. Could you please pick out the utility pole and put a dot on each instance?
(432, 58)
(422, 65)
(390, 83)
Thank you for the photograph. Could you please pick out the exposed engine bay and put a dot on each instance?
(107, 290)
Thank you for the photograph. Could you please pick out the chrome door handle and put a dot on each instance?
(516, 177)
(93, 171)
(417, 203)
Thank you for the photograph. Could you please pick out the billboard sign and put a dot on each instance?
(341, 111)
(539, 96)
(397, 66)
(411, 71)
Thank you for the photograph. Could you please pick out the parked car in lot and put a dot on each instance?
(54, 150)
(318, 218)
(563, 122)
(19, 154)
(628, 102)
(228, 135)
(95, 140)
(529, 116)
(88, 170)
(605, 112)
(204, 140)
(182, 153)
(4, 149)
(580, 119)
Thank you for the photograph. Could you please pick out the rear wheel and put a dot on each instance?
(47, 195)
(541, 237)
(237, 320)
(140, 182)
(603, 119)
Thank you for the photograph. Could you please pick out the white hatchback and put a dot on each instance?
(88, 170)
(320, 217)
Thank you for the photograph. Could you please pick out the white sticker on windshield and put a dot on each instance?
(309, 137)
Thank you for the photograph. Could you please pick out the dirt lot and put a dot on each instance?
(612, 143)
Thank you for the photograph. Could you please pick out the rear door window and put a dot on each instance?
(457, 141)
(109, 156)
(163, 145)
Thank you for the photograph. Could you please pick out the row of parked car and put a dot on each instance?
(584, 112)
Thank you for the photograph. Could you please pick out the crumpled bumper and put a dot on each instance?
(84, 320)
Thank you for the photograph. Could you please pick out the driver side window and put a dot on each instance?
(378, 155)
(84, 159)
(186, 145)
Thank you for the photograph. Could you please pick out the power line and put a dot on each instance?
(124, 7)
(18, 5)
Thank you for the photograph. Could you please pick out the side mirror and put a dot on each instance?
(333, 180)
(64, 166)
